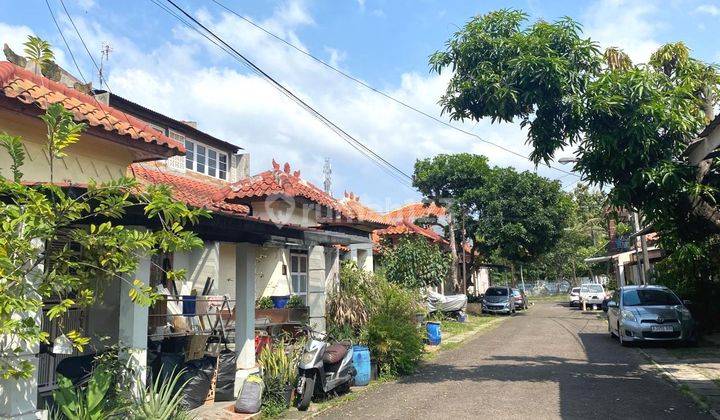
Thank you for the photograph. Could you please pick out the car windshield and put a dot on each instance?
(649, 297)
(496, 291)
(592, 288)
(575, 290)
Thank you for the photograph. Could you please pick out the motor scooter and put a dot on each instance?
(323, 367)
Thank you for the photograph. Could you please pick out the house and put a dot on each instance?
(112, 142)
(624, 251)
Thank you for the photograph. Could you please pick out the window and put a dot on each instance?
(206, 160)
(190, 155)
(298, 275)
(212, 162)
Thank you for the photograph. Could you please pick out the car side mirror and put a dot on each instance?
(612, 304)
(687, 302)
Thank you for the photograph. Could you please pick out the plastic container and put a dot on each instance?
(361, 361)
(280, 301)
(462, 317)
(189, 302)
(433, 333)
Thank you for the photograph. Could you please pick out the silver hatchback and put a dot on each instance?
(648, 313)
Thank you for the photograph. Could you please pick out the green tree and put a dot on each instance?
(519, 216)
(444, 179)
(585, 236)
(39, 53)
(36, 264)
(416, 263)
(628, 123)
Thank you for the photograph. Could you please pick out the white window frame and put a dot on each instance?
(191, 159)
(299, 274)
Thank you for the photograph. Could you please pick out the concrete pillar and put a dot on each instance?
(620, 272)
(18, 397)
(316, 287)
(133, 323)
(244, 312)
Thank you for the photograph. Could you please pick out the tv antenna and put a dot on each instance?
(327, 170)
(105, 51)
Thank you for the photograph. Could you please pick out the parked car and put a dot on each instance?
(592, 294)
(498, 299)
(574, 297)
(519, 299)
(649, 313)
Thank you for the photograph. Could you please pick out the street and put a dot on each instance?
(549, 362)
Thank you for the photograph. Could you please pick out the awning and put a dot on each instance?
(604, 258)
(327, 237)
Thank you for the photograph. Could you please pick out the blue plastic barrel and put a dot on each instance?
(280, 301)
(361, 361)
(433, 332)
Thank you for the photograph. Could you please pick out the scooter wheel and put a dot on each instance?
(307, 392)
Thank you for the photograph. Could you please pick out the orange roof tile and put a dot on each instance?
(29, 88)
(362, 212)
(278, 182)
(405, 227)
(193, 192)
(414, 211)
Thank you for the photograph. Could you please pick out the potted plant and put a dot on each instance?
(297, 310)
(279, 372)
(265, 308)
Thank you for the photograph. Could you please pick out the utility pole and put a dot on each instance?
(462, 244)
(643, 245)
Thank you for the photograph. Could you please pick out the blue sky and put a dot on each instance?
(157, 62)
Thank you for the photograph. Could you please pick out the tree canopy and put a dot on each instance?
(629, 123)
(415, 263)
(520, 215)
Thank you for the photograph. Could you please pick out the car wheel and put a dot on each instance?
(620, 338)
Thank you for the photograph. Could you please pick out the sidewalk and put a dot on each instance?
(696, 371)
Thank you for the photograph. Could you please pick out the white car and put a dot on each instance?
(592, 294)
(574, 297)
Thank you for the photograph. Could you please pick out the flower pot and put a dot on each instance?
(301, 314)
(280, 301)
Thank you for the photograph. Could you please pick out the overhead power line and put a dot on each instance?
(358, 145)
(378, 91)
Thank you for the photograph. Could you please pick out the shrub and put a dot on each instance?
(295, 301)
(346, 306)
(279, 372)
(415, 263)
(392, 334)
(264, 302)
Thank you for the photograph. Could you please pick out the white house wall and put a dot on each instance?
(199, 264)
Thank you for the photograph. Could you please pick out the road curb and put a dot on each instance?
(678, 383)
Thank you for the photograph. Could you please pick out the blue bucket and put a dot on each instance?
(433, 333)
(280, 301)
(361, 361)
(188, 306)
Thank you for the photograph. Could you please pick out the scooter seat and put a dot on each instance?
(335, 353)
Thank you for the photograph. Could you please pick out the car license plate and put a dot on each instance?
(661, 328)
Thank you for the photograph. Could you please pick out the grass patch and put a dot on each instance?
(549, 298)
(454, 333)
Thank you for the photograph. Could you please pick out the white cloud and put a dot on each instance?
(361, 3)
(14, 36)
(187, 79)
(629, 25)
(86, 4)
(709, 9)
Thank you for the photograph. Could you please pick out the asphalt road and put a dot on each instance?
(549, 362)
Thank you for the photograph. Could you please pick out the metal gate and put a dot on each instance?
(74, 319)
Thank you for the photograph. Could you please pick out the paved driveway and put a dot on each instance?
(550, 362)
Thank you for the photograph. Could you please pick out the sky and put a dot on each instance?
(161, 64)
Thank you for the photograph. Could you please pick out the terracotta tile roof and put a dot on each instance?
(362, 212)
(414, 211)
(193, 192)
(29, 88)
(278, 182)
(405, 227)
